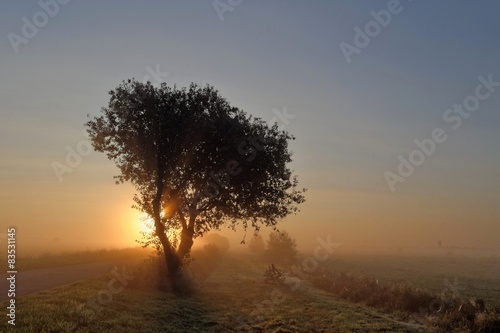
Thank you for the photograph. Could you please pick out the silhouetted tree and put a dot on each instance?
(195, 161)
(281, 248)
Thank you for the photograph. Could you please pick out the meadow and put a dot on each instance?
(65, 258)
(230, 295)
(470, 276)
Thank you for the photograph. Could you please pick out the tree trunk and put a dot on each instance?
(171, 259)
(186, 237)
(186, 243)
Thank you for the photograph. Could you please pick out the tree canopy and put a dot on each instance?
(196, 162)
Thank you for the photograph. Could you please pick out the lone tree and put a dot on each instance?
(196, 162)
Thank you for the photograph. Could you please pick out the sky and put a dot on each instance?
(356, 93)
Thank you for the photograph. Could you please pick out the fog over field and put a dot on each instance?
(352, 120)
(353, 146)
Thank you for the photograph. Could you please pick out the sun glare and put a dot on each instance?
(142, 226)
(145, 224)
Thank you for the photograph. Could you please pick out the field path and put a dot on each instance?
(294, 307)
(34, 280)
(231, 297)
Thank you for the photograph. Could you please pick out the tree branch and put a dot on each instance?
(182, 218)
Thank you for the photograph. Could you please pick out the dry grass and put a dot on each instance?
(447, 314)
(232, 298)
(473, 277)
(229, 294)
(47, 260)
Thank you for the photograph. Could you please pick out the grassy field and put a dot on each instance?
(234, 298)
(470, 276)
(47, 260)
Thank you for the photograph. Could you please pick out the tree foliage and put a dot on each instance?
(196, 162)
(281, 248)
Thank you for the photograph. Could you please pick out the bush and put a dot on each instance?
(399, 297)
(488, 323)
(220, 241)
(457, 316)
(274, 275)
(281, 249)
(205, 261)
(256, 245)
(152, 274)
(210, 254)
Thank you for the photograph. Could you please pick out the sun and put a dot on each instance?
(145, 223)
(137, 222)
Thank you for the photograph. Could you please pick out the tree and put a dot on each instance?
(218, 240)
(281, 248)
(256, 245)
(196, 162)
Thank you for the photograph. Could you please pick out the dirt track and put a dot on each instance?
(34, 280)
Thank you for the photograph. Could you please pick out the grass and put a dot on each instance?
(447, 313)
(472, 277)
(231, 298)
(47, 260)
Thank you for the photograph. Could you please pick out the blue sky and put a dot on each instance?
(352, 121)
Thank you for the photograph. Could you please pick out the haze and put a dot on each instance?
(281, 61)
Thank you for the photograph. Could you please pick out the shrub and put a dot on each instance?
(457, 316)
(205, 261)
(274, 275)
(281, 248)
(488, 323)
(151, 274)
(398, 297)
(210, 254)
(256, 245)
(220, 241)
